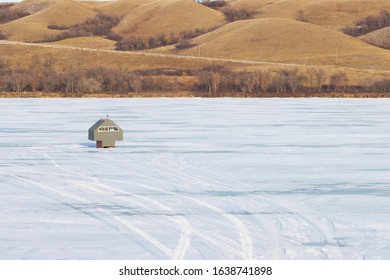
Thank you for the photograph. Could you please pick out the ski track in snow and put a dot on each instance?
(106, 214)
(164, 199)
(169, 166)
(184, 243)
(98, 187)
(323, 230)
(246, 240)
(185, 239)
(102, 189)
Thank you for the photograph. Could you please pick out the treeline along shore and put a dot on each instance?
(45, 78)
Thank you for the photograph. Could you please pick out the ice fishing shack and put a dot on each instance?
(105, 132)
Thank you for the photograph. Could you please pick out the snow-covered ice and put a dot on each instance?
(196, 179)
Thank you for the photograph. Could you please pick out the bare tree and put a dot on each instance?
(339, 80)
(34, 80)
(319, 78)
(264, 80)
(216, 79)
(380, 86)
(246, 82)
(237, 14)
(204, 78)
(133, 82)
(291, 80)
(296, 80)
(72, 78)
(18, 79)
(88, 85)
(279, 83)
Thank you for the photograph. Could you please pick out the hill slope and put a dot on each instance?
(275, 36)
(33, 6)
(334, 14)
(285, 40)
(153, 17)
(379, 38)
(87, 42)
(59, 12)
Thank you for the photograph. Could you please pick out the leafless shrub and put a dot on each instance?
(184, 44)
(237, 14)
(302, 17)
(100, 25)
(380, 86)
(133, 82)
(288, 81)
(7, 14)
(160, 83)
(368, 24)
(18, 79)
(216, 4)
(192, 33)
(315, 78)
(3, 36)
(47, 75)
(113, 36)
(88, 85)
(57, 27)
(149, 42)
(338, 81)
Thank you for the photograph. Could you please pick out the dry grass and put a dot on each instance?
(274, 36)
(253, 5)
(139, 17)
(380, 38)
(34, 27)
(33, 6)
(97, 5)
(334, 14)
(88, 42)
(153, 17)
(282, 40)
(86, 59)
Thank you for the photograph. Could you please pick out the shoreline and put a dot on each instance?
(190, 94)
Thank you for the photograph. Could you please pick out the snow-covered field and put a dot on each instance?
(196, 179)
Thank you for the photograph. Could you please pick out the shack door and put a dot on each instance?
(99, 144)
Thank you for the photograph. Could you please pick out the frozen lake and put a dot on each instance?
(196, 179)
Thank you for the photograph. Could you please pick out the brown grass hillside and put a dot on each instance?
(334, 14)
(59, 12)
(33, 6)
(275, 35)
(153, 17)
(379, 38)
(88, 42)
(283, 40)
(25, 56)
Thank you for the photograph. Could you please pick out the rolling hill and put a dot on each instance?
(379, 38)
(283, 40)
(153, 17)
(87, 42)
(45, 12)
(33, 6)
(275, 39)
(333, 14)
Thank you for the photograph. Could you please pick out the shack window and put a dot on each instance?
(108, 129)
